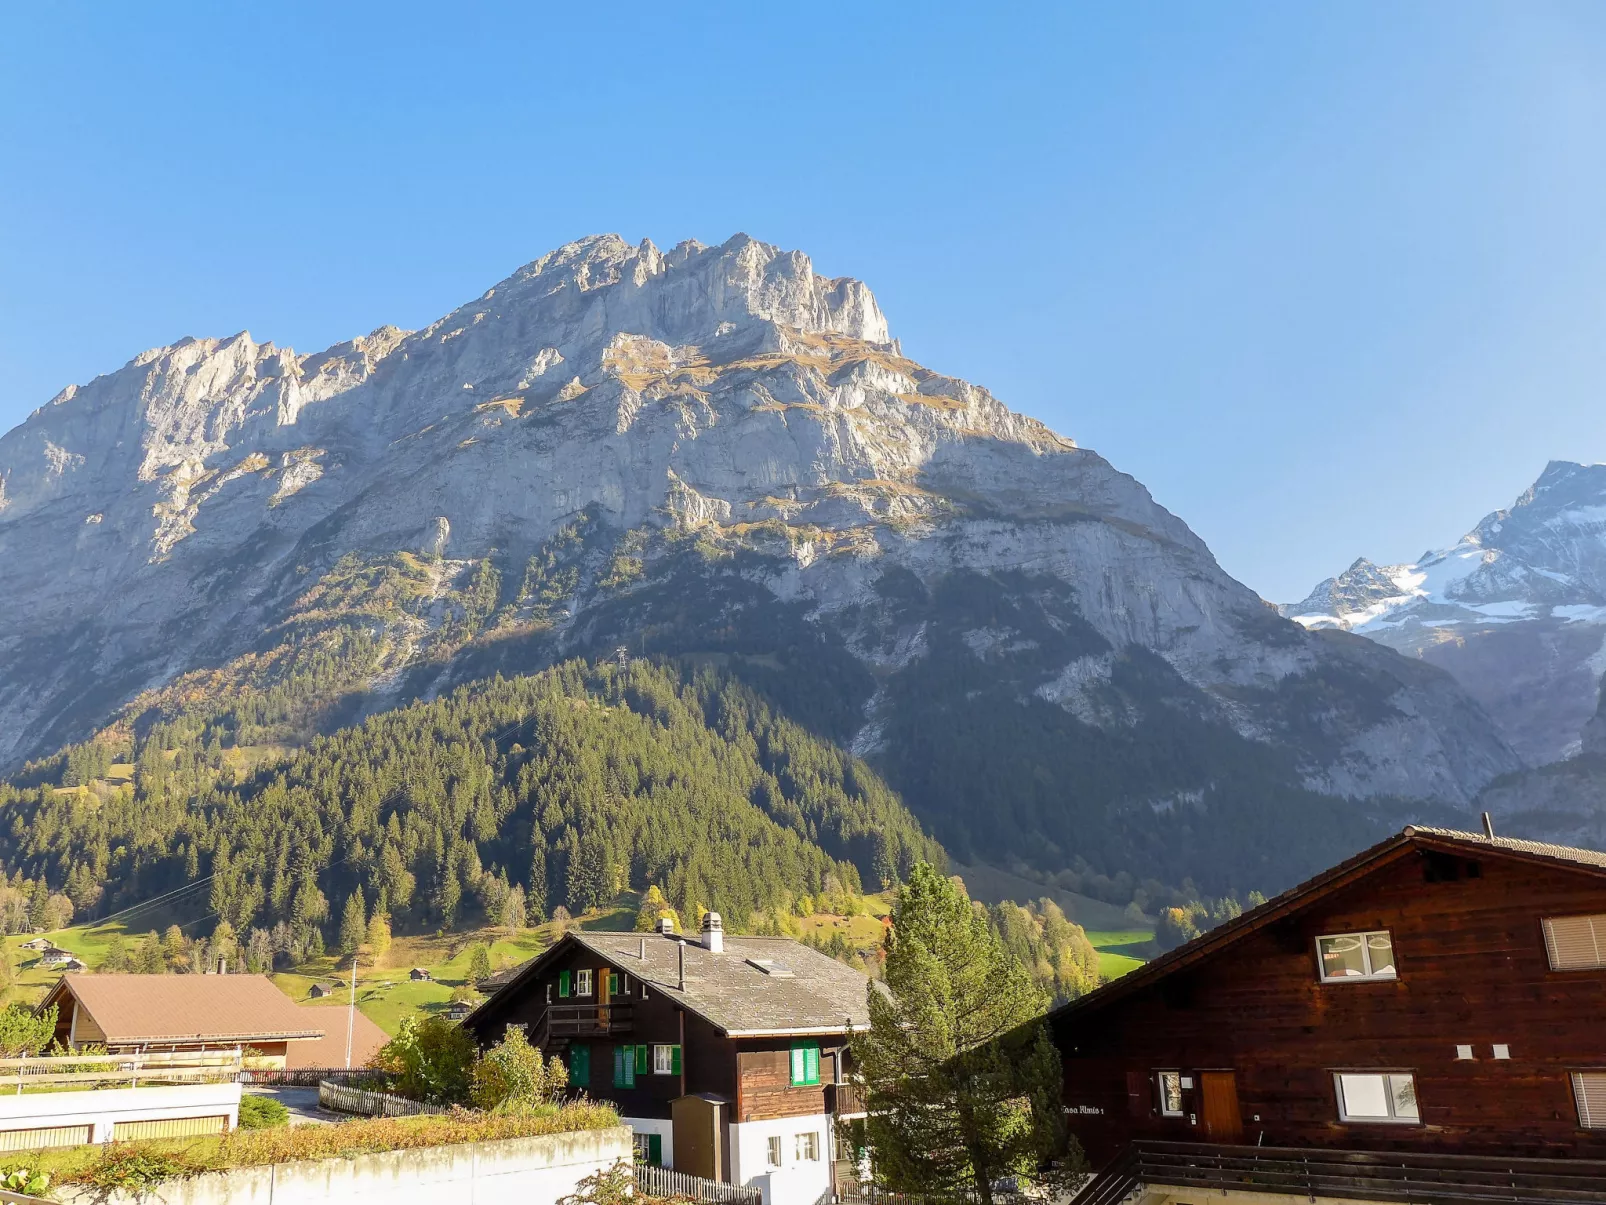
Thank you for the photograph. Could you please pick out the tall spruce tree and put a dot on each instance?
(962, 1085)
(353, 924)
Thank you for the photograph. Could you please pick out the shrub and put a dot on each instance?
(511, 1075)
(262, 1112)
(431, 1059)
(615, 1185)
(26, 1181)
(23, 1033)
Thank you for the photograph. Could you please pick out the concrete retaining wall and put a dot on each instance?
(515, 1171)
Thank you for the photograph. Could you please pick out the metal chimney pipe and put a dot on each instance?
(1488, 826)
(643, 949)
(682, 966)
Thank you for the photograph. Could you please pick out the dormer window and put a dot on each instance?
(1352, 957)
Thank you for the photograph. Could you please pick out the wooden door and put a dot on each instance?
(604, 995)
(1218, 1107)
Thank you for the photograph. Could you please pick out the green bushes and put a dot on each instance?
(430, 1059)
(262, 1113)
(511, 1075)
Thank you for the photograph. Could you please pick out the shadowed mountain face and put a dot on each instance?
(710, 454)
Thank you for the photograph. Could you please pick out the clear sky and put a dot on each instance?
(1329, 279)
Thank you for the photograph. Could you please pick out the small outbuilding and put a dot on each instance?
(420, 975)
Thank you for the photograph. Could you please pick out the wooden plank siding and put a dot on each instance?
(1472, 970)
(766, 1086)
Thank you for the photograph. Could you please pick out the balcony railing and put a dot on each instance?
(1405, 1176)
(586, 1020)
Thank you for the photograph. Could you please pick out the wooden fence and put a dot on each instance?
(343, 1098)
(121, 1070)
(654, 1181)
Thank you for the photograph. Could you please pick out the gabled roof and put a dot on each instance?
(1293, 900)
(330, 1050)
(131, 1009)
(769, 986)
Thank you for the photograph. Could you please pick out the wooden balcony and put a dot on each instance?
(585, 1020)
(843, 1100)
(1416, 1177)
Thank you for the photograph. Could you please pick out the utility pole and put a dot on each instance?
(351, 1009)
(623, 653)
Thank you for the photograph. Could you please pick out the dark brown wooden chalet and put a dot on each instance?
(1442, 993)
(725, 1054)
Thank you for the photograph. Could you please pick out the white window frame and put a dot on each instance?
(549, 993)
(663, 1059)
(772, 1151)
(582, 981)
(812, 1137)
(1371, 976)
(1393, 1118)
(1160, 1078)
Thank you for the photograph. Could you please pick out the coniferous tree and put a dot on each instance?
(962, 1085)
(353, 924)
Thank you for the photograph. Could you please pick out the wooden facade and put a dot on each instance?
(1482, 1036)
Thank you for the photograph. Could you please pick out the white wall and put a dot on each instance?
(517, 1171)
(102, 1108)
(794, 1182)
(661, 1126)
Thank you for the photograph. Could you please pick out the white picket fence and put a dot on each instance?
(341, 1098)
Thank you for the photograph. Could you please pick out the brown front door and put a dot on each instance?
(604, 995)
(1218, 1092)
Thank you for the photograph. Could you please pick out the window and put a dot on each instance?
(579, 1065)
(805, 1064)
(1350, 956)
(624, 1066)
(1377, 1096)
(666, 1060)
(772, 1151)
(1170, 1093)
(563, 983)
(1589, 1090)
(582, 982)
(549, 993)
(1576, 943)
(808, 1147)
(649, 1148)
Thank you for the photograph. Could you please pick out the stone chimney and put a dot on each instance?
(713, 933)
(666, 925)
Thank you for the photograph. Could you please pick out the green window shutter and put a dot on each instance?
(563, 983)
(674, 1060)
(812, 1059)
(613, 985)
(579, 1065)
(624, 1066)
(799, 1065)
(655, 1149)
(805, 1064)
(642, 1065)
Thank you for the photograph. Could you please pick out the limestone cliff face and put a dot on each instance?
(660, 449)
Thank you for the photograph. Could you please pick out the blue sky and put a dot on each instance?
(1329, 279)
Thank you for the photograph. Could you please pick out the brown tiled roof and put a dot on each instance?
(758, 985)
(1294, 898)
(330, 1050)
(187, 1008)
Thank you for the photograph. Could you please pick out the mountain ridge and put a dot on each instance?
(709, 452)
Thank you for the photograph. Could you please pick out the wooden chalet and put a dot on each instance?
(1432, 1010)
(184, 1013)
(726, 1055)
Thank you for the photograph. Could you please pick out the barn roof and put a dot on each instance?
(132, 1009)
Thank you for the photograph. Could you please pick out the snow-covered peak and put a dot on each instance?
(1543, 557)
